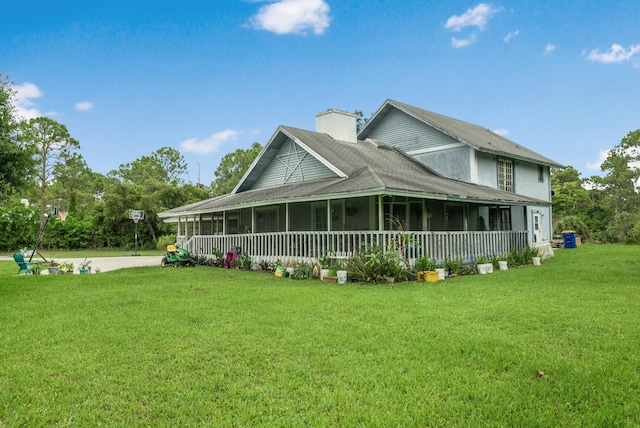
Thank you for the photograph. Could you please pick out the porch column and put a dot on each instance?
(286, 217)
(253, 219)
(380, 214)
(179, 221)
(224, 222)
(328, 215)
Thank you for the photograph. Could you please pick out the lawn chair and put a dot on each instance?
(22, 265)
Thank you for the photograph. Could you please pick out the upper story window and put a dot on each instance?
(540, 174)
(505, 175)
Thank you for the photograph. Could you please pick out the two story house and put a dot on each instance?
(462, 190)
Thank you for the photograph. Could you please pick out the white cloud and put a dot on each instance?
(596, 165)
(549, 48)
(476, 17)
(293, 17)
(210, 144)
(500, 131)
(25, 108)
(615, 54)
(84, 106)
(510, 36)
(460, 43)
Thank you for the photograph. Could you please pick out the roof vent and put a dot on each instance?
(339, 125)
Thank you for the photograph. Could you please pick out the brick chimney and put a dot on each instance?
(340, 125)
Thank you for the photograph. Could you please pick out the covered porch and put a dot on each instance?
(304, 229)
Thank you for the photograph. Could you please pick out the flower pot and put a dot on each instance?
(323, 273)
(503, 265)
(342, 276)
(84, 271)
(536, 261)
(440, 274)
(53, 270)
(485, 268)
(330, 278)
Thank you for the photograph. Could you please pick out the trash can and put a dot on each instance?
(569, 238)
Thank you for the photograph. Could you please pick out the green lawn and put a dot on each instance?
(205, 346)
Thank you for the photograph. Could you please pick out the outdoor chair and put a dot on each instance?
(22, 265)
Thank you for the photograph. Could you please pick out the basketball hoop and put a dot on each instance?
(62, 215)
(136, 215)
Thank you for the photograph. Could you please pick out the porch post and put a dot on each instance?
(380, 214)
(253, 219)
(179, 221)
(328, 215)
(224, 222)
(286, 216)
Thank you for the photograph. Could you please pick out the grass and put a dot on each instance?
(206, 346)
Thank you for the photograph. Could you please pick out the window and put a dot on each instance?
(505, 175)
(540, 174)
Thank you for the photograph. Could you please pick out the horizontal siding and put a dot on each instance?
(284, 167)
(406, 133)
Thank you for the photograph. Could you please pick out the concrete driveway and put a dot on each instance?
(106, 264)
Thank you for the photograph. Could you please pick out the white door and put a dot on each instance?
(537, 227)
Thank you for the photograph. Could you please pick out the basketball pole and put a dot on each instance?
(135, 239)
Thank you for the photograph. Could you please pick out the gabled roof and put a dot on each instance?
(365, 168)
(478, 137)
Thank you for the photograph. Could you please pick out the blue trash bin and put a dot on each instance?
(569, 238)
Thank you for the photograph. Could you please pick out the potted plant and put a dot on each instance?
(332, 275)
(54, 267)
(67, 267)
(84, 267)
(325, 263)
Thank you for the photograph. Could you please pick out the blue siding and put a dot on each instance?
(292, 164)
(406, 133)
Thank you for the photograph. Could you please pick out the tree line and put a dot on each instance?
(602, 208)
(42, 163)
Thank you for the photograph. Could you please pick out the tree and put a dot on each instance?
(15, 162)
(621, 181)
(570, 197)
(51, 145)
(165, 165)
(232, 167)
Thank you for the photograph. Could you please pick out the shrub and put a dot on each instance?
(165, 240)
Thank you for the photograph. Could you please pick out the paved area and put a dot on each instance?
(106, 264)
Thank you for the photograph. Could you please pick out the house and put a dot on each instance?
(462, 190)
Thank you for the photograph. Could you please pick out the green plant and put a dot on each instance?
(84, 265)
(36, 269)
(245, 261)
(424, 263)
(528, 253)
(68, 267)
(165, 240)
(468, 270)
(453, 265)
(303, 270)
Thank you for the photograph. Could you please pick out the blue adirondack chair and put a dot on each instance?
(22, 265)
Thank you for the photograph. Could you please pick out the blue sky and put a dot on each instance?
(208, 77)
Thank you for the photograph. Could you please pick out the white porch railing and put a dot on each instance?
(439, 246)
